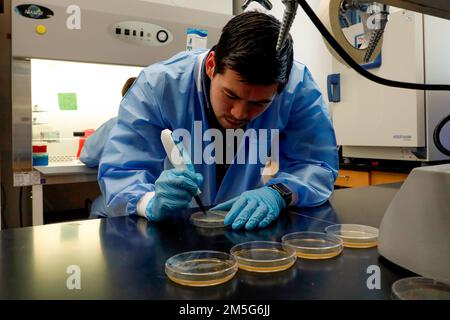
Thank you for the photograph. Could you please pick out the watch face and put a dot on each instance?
(283, 189)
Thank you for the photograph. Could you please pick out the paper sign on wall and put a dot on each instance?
(67, 101)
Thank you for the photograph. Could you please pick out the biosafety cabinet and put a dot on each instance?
(63, 64)
(380, 122)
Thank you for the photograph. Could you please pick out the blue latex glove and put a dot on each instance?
(255, 208)
(174, 190)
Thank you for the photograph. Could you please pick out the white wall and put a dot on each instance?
(218, 6)
(309, 47)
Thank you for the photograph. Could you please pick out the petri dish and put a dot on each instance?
(420, 288)
(313, 245)
(263, 256)
(201, 268)
(355, 235)
(212, 219)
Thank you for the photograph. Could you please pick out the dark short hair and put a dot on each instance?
(248, 46)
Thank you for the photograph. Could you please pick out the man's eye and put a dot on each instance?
(229, 96)
(258, 104)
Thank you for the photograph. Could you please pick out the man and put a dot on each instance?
(243, 82)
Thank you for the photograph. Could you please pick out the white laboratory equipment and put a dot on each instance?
(380, 122)
(414, 232)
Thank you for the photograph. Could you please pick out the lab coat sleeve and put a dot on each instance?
(308, 162)
(93, 148)
(133, 157)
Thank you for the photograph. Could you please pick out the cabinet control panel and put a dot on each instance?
(142, 33)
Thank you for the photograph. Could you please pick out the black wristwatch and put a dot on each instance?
(284, 191)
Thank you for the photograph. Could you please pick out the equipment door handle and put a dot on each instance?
(334, 87)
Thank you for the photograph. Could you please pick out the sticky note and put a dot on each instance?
(67, 101)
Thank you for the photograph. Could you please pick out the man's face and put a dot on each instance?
(235, 102)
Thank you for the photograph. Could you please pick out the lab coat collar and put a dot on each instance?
(203, 81)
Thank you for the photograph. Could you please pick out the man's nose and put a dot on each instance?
(239, 111)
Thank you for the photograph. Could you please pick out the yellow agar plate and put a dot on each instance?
(212, 219)
(201, 268)
(313, 245)
(355, 235)
(420, 288)
(263, 256)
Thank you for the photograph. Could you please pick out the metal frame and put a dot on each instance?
(21, 115)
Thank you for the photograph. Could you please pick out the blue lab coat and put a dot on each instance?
(171, 94)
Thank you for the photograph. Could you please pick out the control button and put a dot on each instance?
(118, 31)
(162, 36)
(40, 29)
(134, 33)
(142, 33)
(127, 32)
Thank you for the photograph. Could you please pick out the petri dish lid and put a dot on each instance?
(420, 288)
(201, 268)
(263, 256)
(313, 245)
(212, 219)
(355, 235)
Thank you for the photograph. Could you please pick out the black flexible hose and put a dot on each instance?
(344, 55)
(437, 136)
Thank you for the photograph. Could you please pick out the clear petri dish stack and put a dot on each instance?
(201, 268)
(263, 256)
(355, 235)
(419, 288)
(212, 219)
(313, 245)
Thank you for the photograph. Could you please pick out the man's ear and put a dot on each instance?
(210, 64)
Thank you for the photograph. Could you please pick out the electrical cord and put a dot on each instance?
(437, 136)
(344, 55)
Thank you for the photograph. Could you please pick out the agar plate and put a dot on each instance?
(355, 235)
(212, 219)
(201, 268)
(419, 288)
(263, 256)
(313, 245)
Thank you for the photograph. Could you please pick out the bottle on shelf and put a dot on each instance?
(83, 136)
(40, 155)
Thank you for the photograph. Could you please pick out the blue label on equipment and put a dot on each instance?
(196, 39)
(198, 32)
